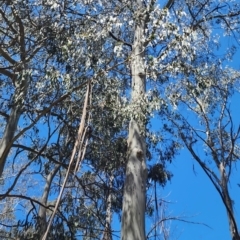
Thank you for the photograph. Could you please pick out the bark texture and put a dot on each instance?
(133, 212)
(133, 216)
(11, 126)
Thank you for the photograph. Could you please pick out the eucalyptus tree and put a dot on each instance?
(130, 51)
(163, 45)
(27, 44)
(60, 61)
(36, 84)
(206, 95)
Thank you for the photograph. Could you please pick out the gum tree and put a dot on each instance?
(130, 51)
(206, 95)
(165, 43)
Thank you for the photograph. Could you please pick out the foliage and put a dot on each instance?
(50, 50)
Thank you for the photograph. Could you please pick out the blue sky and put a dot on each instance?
(194, 199)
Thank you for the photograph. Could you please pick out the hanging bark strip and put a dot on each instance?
(80, 138)
(82, 149)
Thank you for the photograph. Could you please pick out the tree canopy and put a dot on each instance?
(80, 84)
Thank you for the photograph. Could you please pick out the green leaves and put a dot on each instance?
(61, 45)
(158, 174)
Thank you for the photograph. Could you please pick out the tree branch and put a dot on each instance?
(7, 57)
(169, 4)
(119, 40)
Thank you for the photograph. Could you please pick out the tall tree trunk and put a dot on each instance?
(21, 83)
(228, 202)
(12, 122)
(133, 211)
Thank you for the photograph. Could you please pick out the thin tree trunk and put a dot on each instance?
(133, 211)
(228, 203)
(107, 235)
(42, 221)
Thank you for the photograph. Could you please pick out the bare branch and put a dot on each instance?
(119, 40)
(7, 57)
(169, 4)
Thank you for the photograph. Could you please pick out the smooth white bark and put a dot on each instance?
(133, 211)
(12, 122)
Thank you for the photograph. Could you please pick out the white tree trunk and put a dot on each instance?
(133, 211)
(12, 122)
(21, 82)
(42, 214)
